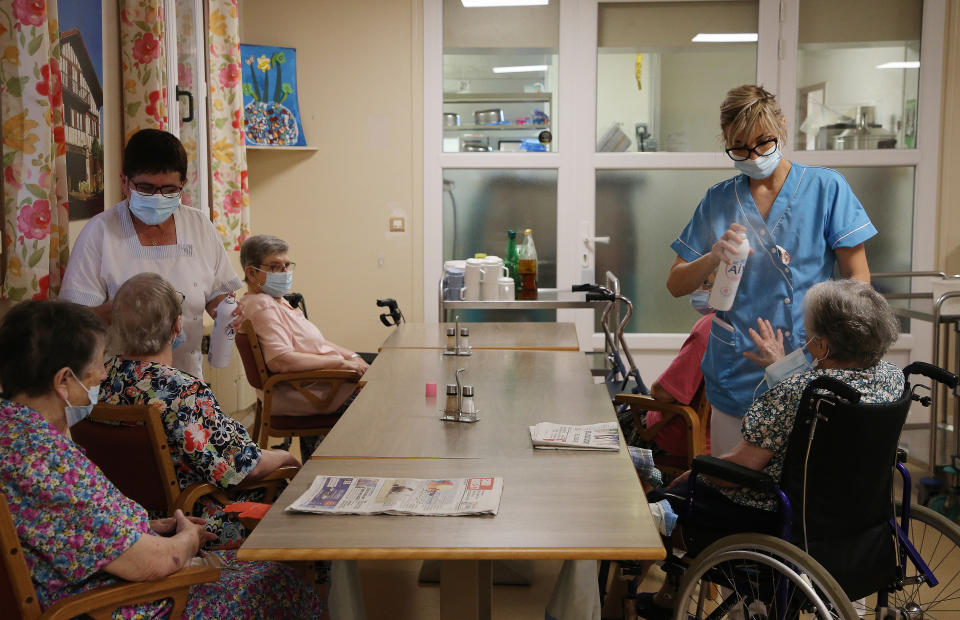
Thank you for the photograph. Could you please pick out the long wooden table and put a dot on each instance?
(570, 505)
(515, 336)
(417, 366)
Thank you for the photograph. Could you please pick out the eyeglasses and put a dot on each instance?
(742, 153)
(149, 189)
(181, 297)
(278, 267)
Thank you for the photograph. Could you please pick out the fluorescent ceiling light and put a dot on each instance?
(725, 37)
(471, 4)
(902, 64)
(520, 69)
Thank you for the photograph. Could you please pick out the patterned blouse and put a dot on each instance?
(769, 421)
(72, 522)
(206, 445)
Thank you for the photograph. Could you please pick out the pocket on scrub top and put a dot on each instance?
(721, 352)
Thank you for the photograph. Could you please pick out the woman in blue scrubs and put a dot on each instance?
(800, 221)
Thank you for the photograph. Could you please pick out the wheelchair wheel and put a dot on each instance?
(937, 540)
(764, 575)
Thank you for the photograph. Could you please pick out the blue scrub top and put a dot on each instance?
(814, 213)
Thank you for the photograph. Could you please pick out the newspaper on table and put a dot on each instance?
(601, 436)
(362, 495)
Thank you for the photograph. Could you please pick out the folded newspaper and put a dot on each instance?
(357, 495)
(550, 436)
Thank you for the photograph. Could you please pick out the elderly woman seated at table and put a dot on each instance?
(849, 327)
(77, 530)
(290, 343)
(205, 444)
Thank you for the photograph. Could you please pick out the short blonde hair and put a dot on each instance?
(749, 108)
(144, 311)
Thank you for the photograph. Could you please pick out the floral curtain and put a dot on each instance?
(35, 217)
(186, 74)
(142, 66)
(230, 199)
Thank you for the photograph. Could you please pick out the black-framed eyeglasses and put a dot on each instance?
(149, 189)
(278, 267)
(181, 297)
(742, 153)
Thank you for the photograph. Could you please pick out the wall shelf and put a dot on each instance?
(495, 97)
(258, 147)
(510, 127)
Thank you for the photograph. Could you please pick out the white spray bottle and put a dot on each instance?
(728, 277)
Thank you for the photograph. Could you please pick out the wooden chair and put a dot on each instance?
(696, 416)
(19, 598)
(128, 443)
(270, 423)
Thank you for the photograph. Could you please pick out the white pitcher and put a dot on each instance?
(471, 279)
(493, 270)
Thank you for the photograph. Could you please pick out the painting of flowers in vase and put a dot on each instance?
(271, 113)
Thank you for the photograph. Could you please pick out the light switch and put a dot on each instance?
(396, 224)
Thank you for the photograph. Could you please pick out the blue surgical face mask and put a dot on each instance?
(277, 284)
(179, 339)
(75, 413)
(699, 300)
(152, 210)
(761, 167)
(788, 365)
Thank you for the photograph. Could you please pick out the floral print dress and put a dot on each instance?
(769, 421)
(205, 444)
(72, 522)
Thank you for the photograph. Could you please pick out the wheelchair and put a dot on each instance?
(840, 545)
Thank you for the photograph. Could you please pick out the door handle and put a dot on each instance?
(189, 96)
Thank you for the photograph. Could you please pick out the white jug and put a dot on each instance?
(507, 290)
(471, 279)
(493, 270)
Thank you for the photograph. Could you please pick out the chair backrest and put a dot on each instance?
(128, 443)
(16, 587)
(848, 473)
(251, 355)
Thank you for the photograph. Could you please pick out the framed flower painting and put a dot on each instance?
(271, 112)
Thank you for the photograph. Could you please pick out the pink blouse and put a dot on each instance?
(281, 328)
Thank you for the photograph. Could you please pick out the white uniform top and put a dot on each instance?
(108, 253)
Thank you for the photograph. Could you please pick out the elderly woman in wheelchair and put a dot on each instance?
(811, 481)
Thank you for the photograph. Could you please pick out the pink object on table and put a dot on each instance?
(431, 389)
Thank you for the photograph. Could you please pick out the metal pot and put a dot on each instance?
(451, 119)
(488, 117)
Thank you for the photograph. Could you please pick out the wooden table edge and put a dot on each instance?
(453, 553)
(388, 458)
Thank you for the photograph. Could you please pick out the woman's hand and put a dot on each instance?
(769, 344)
(727, 245)
(168, 526)
(681, 479)
(192, 526)
(357, 364)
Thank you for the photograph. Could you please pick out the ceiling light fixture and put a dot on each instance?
(725, 37)
(472, 4)
(520, 69)
(900, 64)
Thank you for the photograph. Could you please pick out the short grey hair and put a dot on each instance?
(854, 319)
(144, 311)
(259, 248)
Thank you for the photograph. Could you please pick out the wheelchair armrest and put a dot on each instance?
(731, 472)
(933, 372)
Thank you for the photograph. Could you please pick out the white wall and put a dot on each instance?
(619, 100)
(852, 79)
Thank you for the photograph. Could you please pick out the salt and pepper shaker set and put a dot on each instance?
(458, 340)
(460, 405)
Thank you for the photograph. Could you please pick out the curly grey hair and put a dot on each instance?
(144, 311)
(854, 320)
(259, 248)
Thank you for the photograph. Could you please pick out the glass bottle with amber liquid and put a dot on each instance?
(527, 267)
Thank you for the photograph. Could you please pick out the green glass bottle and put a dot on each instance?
(511, 259)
